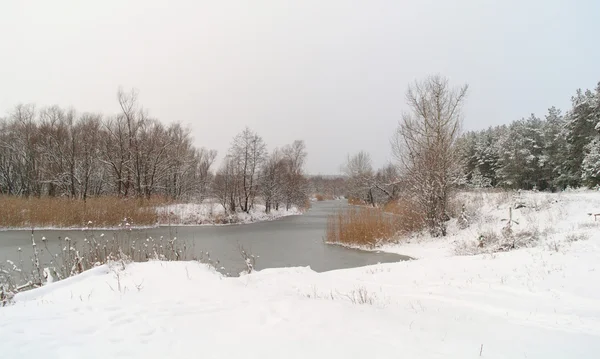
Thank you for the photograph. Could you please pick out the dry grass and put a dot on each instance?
(64, 212)
(370, 227)
(411, 219)
(361, 227)
(355, 201)
(323, 197)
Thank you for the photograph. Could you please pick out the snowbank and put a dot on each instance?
(549, 220)
(534, 302)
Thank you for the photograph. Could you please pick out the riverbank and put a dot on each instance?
(546, 221)
(540, 299)
(210, 213)
(111, 213)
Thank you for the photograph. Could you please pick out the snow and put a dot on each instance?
(555, 217)
(209, 213)
(542, 301)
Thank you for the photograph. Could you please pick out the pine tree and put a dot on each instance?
(579, 131)
(590, 166)
(554, 153)
(555, 147)
(479, 181)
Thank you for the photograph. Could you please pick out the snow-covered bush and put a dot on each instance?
(249, 260)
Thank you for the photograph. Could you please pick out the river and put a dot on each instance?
(287, 242)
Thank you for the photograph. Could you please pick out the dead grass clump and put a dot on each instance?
(361, 227)
(492, 242)
(587, 225)
(361, 296)
(319, 197)
(576, 237)
(65, 212)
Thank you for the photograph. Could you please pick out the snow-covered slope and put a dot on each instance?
(535, 302)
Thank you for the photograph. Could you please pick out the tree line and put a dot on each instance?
(550, 153)
(59, 152)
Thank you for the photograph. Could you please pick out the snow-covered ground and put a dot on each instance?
(540, 301)
(210, 213)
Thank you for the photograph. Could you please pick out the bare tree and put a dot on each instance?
(295, 186)
(425, 146)
(248, 153)
(88, 131)
(225, 184)
(272, 180)
(329, 186)
(359, 170)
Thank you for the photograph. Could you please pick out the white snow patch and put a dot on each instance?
(208, 213)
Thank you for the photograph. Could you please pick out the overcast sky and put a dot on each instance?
(330, 72)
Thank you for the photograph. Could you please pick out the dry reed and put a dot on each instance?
(369, 227)
(407, 213)
(361, 227)
(19, 212)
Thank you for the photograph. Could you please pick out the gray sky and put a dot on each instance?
(330, 72)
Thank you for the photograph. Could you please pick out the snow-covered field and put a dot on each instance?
(539, 301)
(210, 213)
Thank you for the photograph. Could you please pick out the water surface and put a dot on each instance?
(287, 242)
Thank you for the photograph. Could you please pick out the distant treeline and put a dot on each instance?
(58, 152)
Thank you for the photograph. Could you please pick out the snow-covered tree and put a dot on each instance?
(579, 131)
(554, 151)
(478, 180)
(535, 153)
(590, 166)
(426, 146)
